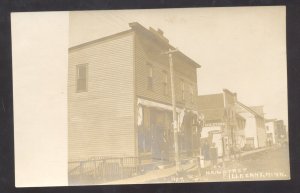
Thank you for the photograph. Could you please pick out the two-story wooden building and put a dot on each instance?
(240, 126)
(255, 131)
(276, 131)
(270, 131)
(223, 127)
(119, 97)
(281, 135)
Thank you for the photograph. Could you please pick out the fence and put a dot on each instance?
(102, 169)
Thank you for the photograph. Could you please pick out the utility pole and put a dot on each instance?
(175, 121)
(233, 126)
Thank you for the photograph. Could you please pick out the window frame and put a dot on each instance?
(192, 93)
(182, 89)
(77, 78)
(165, 83)
(150, 85)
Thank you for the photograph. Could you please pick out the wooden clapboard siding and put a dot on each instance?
(157, 94)
(101, 120)
(261, 132)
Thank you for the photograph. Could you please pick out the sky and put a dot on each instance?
(242, 49)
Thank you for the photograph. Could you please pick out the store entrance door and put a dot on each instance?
(159, 135)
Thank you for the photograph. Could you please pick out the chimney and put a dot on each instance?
(159, 33)
(133, 24)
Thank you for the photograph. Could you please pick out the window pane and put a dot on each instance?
(81, 78)
(81, 86)
(165, 78)
(150, 71)
(150, 83)
(82, 72)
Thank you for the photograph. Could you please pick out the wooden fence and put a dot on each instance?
(102, 169)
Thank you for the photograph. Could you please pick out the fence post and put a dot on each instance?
(80, 171)
(122, 167)
(95, 170)
(138, 165)
(104, 168)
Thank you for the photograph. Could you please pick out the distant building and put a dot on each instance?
(223, 125)
(280, 132)
(255, 131)
(230, 124)
(270, 131)
(276, 131)
(119, 97)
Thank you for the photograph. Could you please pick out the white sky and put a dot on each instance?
(242, 49)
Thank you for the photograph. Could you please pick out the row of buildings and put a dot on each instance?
(233, 126)
(120, 103)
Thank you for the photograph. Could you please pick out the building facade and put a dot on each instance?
(230, 125)
(255, 131)
(119, 97)
(270, 130)
(281, 135)
(223, 126)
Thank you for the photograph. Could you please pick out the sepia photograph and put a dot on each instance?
(146, 96)
(140, 112)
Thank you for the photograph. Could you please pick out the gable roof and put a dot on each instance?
(250, 110)
(258, 109)
(101, 39)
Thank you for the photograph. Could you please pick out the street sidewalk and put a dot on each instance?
(246, 153)
(152, 175)
(167, 172)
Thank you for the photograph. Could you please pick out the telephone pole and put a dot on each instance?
(175, 121)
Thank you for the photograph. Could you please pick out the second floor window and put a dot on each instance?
(150, 77)
(81, 78)
(165, 83)
(182, 90)
(192, 93)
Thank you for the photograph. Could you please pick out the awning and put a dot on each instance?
(147, 103)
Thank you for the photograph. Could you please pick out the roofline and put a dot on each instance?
(249, 109)
(100, 39)
(133, 26)
(136, 26)
(270, 120)
(259, 106)
(230, 92)
(206, 95)
(224, 90)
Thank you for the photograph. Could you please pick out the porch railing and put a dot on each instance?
(102, 169)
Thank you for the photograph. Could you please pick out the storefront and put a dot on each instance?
(155, 131)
